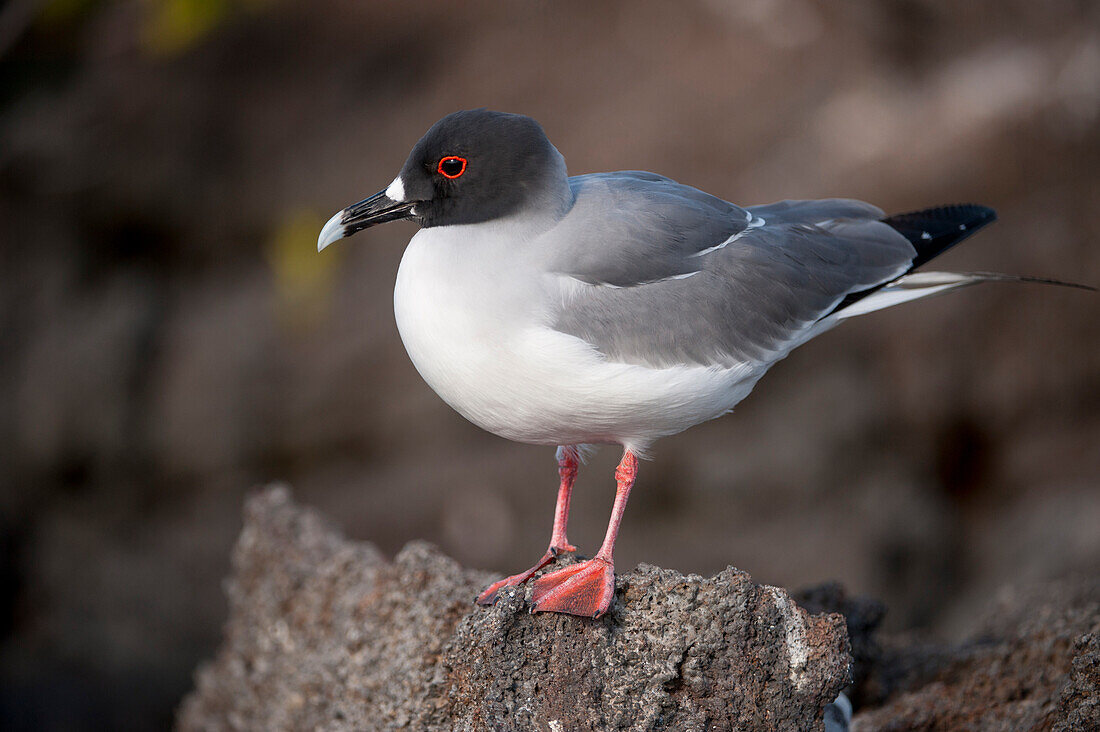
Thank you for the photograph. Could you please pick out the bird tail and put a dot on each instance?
(924, 284)
(932, 232)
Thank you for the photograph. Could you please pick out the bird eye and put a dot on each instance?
(452, 166)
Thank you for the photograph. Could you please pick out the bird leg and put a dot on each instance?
(568, 461)
(587, 588)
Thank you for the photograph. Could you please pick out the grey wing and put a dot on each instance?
(632, 227)
(749, 297)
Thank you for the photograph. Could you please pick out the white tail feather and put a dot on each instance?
(924, 284)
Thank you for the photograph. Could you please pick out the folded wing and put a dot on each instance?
(712, 283)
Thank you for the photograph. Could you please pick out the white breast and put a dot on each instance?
(474, 313)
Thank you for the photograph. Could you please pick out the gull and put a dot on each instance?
(618, 308)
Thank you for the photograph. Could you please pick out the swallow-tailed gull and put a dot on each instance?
(618, 307)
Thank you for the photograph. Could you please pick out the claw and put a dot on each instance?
(489, 595)
(585, 588)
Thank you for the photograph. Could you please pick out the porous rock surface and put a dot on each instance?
(1033, 663)
(325, 633)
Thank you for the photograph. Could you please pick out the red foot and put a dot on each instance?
(585, 588)
(489, 594)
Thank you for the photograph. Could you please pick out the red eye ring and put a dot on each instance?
(450, 159)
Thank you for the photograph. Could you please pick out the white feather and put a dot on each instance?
(907, 288)
(396, 190)
(474, 313)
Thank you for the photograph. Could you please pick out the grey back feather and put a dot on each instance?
(671, 275)
(632, 227)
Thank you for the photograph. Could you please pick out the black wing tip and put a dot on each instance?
(932, 231)
(950, 212)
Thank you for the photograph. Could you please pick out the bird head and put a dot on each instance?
(470, 167)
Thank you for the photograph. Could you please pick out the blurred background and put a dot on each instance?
(170, 339)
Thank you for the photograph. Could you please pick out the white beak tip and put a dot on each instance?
(333, 230)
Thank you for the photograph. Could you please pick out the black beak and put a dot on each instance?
(378, 209)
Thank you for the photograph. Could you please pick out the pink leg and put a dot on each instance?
(567, 469)
(587, 588)
(568, 463)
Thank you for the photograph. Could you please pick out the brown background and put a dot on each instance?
(169, 338)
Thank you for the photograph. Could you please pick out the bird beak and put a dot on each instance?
(378, 209)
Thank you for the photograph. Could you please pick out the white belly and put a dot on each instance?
(477, 330)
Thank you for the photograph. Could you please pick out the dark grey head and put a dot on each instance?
(470, 167)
